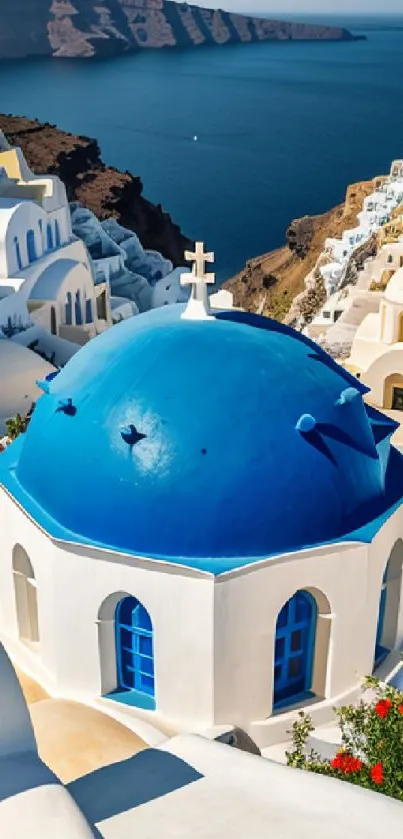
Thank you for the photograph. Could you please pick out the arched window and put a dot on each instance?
(79, 314)
(69, 308)
(49, 236)
(294, 649)
(25, 596)
(135, 652)
(88, 311)
(57, 234)
(389, 633)
(31, 248)
(17, 253)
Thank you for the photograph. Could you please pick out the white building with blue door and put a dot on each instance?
(203, 525)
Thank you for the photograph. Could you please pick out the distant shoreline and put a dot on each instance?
(112, 30)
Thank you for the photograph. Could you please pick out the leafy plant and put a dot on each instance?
(371, 754)
(18, 425)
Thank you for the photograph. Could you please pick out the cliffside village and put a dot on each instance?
(65, 277)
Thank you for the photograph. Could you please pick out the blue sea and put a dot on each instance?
(282, 128)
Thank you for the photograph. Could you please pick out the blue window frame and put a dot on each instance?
(18, 253)
(31, 248)
(79, 314)
(57, 234)
(294, 648)
(380, 650)
(69, 308)
(135, 652)
(49, 236)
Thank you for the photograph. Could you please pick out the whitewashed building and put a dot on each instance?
(39, 256)
(377, 211)
(203, 524)
(377, 350)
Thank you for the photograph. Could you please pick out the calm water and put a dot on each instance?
(282, 128)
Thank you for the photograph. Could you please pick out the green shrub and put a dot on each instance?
(371, 754)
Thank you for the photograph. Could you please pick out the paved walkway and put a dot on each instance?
(74, 739)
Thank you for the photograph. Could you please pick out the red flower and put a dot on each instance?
(346, 763)
(382, 707)
(337, 761)
(400, 709)
(377, 774)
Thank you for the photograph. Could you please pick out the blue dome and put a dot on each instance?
(212, 443)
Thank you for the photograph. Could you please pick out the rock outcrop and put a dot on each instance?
(102, 189)
(269, 284)
(103, 28)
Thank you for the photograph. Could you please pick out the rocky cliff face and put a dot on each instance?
(106, 191)
(88, 28)
(270, 283)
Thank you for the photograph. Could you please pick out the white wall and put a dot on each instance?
(15, 225)
(213, 639)
(72, 586)
(74, 250)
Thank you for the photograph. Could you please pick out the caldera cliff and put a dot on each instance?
(270, 284)
(102, 28)
(102, 189)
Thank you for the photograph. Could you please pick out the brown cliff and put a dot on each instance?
(268, 284)
(90, 28)
(104, 190)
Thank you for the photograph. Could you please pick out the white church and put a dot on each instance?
(203, 525)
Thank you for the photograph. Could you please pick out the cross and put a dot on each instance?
(197, 307)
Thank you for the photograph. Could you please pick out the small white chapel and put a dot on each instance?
(203, 524)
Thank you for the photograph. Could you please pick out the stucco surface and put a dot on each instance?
(72, 738)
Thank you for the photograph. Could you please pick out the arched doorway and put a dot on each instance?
(389, 633)
(393, 392)
(135, 652)
(88, 311)
(25, 596)
(294, 649)
(78, 312)
(69, 309)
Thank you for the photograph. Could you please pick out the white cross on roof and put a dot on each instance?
(198, 306)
